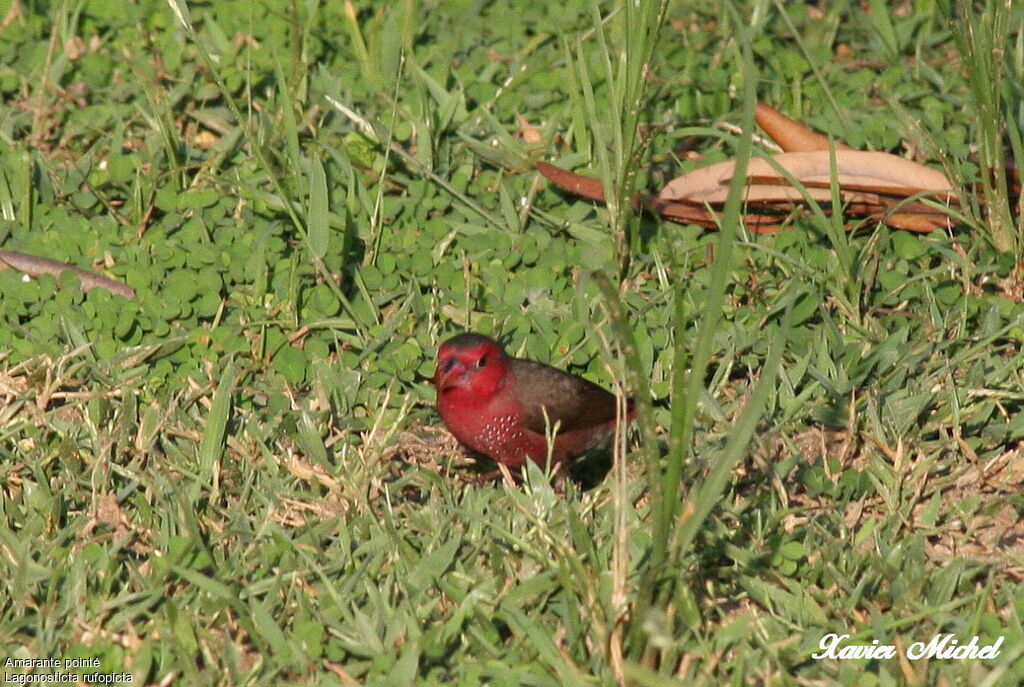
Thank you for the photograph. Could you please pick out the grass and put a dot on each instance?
(239, 478)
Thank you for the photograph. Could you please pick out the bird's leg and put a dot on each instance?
(559, 477)
(506, 475)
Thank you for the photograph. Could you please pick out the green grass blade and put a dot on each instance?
(211, 447)
(317, 221)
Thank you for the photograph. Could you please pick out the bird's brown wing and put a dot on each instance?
(572, 402)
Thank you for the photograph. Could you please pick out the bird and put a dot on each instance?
(505, 407)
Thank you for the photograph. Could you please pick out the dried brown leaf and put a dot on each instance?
(35, 266)
(790, 134)
(871, 184)
(877, 170)
(921, 224)
(587, 187)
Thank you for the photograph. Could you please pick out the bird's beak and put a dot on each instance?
(449, 374)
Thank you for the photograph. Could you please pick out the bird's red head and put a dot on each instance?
(470, 366)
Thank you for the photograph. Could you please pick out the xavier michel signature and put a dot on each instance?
(943, 647)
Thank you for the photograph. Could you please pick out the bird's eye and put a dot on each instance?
(482, 362)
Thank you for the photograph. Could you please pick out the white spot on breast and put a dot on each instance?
(499, 431)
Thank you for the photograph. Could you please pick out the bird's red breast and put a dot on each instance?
(505, 407)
